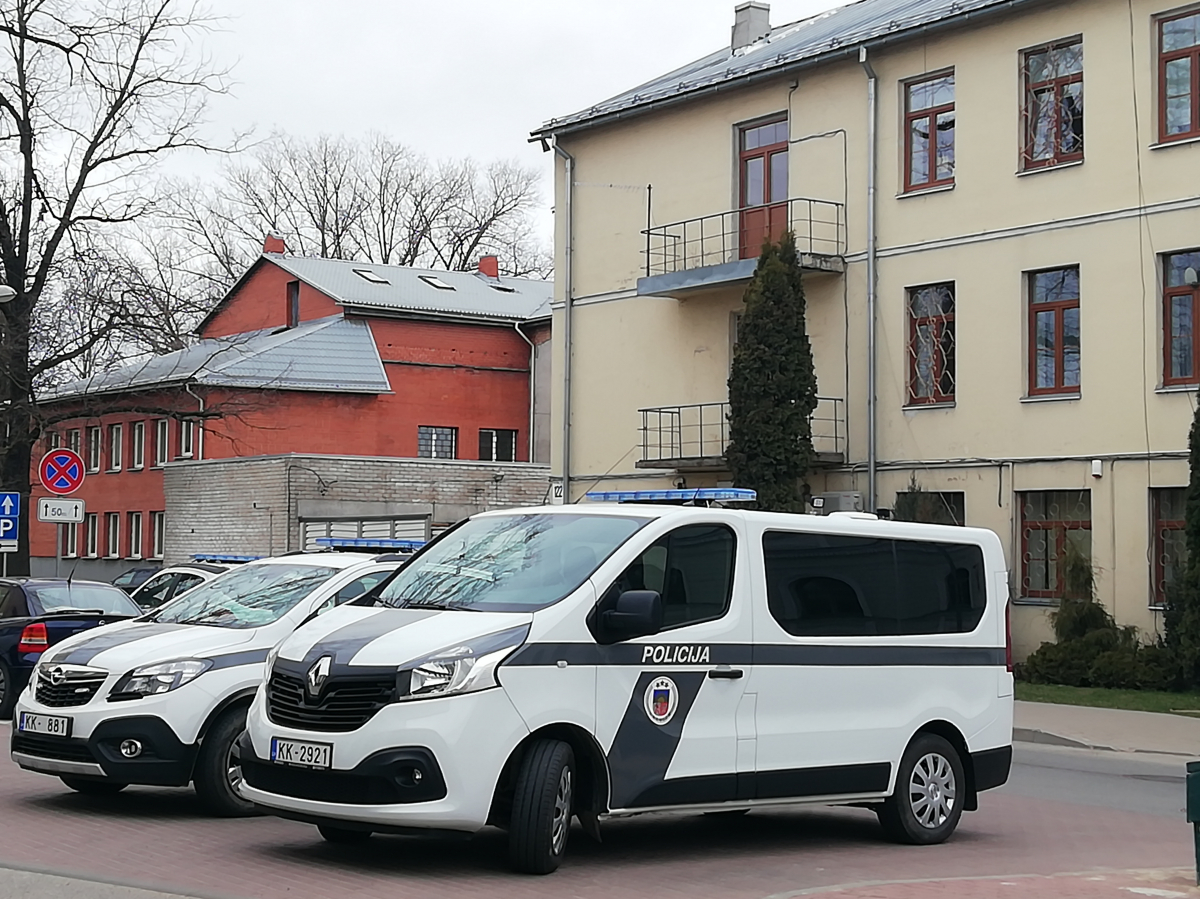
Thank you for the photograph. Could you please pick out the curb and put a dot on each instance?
(1033, 735)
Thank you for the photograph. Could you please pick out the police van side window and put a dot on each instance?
(691, 568)
(821, 585)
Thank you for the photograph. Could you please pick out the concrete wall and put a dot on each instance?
(255, 506)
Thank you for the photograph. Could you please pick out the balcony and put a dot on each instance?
(688, 257)
(695, 437)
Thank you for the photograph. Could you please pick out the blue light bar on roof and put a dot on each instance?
(222, 557)
(369, 543)
(698, 494)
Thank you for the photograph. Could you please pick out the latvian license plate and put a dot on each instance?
(50, 725)
(297, 752)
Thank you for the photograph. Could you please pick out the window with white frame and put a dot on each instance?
(73, 439)
(161, 438)
(497, 445)
(112, 528)
(158, 533)
(116, 435)
(91, 535)
(137, 446)
(54, 440)
(187, 436)
(436, 443)
(70, 541)
(93, 450)
(135, 535)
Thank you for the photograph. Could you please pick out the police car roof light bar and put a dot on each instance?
(369, 543)
(223, 557)
(695, 495)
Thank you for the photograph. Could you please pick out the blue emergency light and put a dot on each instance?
(222, 557)
(369, 543)
(689, 495)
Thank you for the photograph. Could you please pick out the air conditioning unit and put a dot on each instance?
(844, 501)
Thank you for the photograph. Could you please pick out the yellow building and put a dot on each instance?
(1031, 347)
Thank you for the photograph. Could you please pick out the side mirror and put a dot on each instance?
(637, 613)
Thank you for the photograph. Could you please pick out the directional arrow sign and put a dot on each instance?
(59, 511)
(10, 505)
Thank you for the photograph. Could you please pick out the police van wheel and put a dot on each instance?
(929, 794)
(343, 836)
(543, 803)
(93, 787)
(218, 768)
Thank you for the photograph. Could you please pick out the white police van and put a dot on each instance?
(161, 699)
(532, 665)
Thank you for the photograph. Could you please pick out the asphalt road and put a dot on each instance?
(1064, 810)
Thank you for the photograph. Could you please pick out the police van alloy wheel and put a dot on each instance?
(928, 798)
(342, 835)
(543, 803)
(90, 787)
(8, 696)
(219, 770)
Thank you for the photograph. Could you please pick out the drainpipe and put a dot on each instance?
(568, 241)
(529, 436)
(872, 154)
(198, 428)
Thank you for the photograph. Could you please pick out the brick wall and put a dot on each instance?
(253, 506)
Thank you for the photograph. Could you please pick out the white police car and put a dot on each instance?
(532, 665)
(162, 698)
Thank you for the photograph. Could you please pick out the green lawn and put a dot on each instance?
(1138, 700)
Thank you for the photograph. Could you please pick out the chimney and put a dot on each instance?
(489, 266)
(274, 243)
(751, 20)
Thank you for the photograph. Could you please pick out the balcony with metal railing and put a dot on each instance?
(721, 249)
(694, 437)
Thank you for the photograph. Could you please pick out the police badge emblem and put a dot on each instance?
(661, 700)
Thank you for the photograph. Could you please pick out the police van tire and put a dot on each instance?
(343, 836)
(93, 787)
(930, 790)
(217, 769)
(543, 803)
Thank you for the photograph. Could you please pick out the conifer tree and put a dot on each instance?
(1182, 617)
(772, 384)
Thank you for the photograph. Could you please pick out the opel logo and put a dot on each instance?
(57, 675)
(318, 674)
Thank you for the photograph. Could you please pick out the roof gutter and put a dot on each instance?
(850, 50)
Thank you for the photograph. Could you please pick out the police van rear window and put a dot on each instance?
(509, 563)
(825, 585)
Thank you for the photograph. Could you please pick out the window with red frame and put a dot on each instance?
(1054, 331)
(1170, 541)
(931, 344)
(1056, 542)
(929, 132)
(1053, 104)
(1179, 76)
(1180, 295)
(763, 179)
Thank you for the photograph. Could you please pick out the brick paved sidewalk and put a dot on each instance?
(1163, 883)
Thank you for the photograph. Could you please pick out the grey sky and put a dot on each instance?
(453, 77)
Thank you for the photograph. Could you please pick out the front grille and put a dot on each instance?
(346, 703)
(322, 786)
(76, 689)
(52, 747)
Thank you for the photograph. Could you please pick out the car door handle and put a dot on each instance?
(724, 672)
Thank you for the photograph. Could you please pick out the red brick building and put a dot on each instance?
(308, 356)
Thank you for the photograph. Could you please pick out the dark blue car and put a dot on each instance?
(36, 613)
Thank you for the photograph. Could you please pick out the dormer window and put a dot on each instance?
(374, 277)
(435, 281)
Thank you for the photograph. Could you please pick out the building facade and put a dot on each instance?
(1031, 352)
(308, 356)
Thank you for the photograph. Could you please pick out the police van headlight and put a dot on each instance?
(463, 668)
(150, 680)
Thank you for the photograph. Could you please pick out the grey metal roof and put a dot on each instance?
(809, 40)
(329, 354)
(510, 299)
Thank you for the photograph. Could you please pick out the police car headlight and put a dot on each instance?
(150, 680)
(463, 668)
(272, 655)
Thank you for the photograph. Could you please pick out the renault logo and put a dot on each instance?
(57, 675)
(318, 674)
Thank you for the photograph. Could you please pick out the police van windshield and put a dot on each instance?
(511, 563)
(245, 597)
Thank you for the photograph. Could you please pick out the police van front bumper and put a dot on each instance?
(430, 764)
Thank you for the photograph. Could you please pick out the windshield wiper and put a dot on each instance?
(199, 619)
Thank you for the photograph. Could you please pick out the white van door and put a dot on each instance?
(670, 707)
